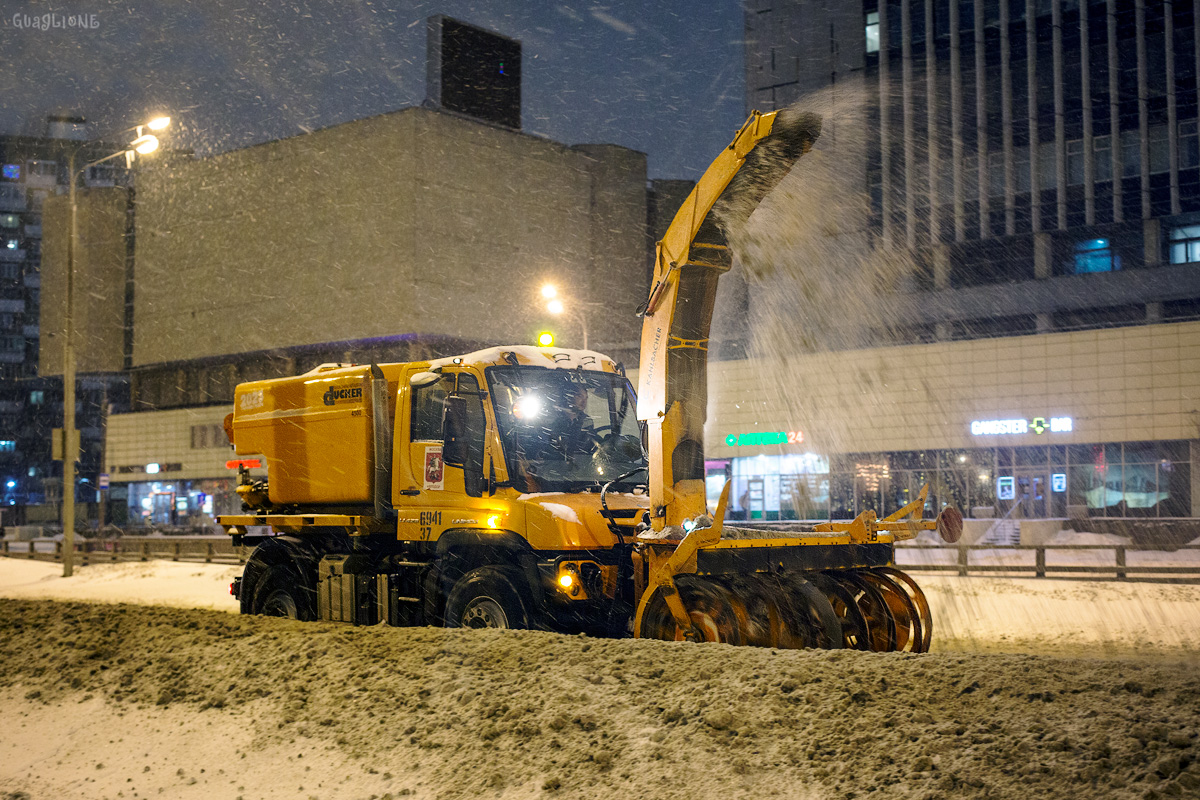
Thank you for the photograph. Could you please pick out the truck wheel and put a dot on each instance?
(487, 597)
(280, 594)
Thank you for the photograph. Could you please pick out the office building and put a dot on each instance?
(1036, 165)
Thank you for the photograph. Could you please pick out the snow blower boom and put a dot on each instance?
(831, 585)
(498, 488)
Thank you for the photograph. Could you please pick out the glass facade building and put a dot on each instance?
(1130, 479)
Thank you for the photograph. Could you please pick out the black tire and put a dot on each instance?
(281, 593)
(488, 597)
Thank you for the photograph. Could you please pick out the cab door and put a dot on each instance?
(440, 501)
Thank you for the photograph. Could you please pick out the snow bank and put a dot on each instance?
(132, 701)
(166, 583)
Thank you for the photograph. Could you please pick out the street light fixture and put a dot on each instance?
(143, 144)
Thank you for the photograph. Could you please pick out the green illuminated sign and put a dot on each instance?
(764, 437)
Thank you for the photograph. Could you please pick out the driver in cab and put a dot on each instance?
(572, 430)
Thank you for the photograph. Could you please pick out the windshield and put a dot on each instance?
(566, 430)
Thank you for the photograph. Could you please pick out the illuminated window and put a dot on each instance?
(1185, 244)
(873, 32)
(9, 221)
(11, 172)
(1095, 255)
(8, 446)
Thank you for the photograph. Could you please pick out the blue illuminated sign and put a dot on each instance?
(1058, 482)
(1006, 488)
(12, 172)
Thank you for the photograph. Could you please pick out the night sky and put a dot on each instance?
(665, 78)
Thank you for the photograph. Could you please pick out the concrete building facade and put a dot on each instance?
(412, 235)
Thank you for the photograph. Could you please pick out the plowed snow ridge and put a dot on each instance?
(135, 701)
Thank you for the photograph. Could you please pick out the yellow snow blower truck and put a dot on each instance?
(527, 487)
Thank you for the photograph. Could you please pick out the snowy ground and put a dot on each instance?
(1063, 688)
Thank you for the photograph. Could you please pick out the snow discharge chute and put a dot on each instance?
(692, 255)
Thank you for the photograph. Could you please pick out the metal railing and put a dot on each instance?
(959, 561)
(215, 549)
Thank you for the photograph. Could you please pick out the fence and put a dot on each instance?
(1014, 560)
(1007, 560)
(209, 549)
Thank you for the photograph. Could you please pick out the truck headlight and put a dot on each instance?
(568, 579)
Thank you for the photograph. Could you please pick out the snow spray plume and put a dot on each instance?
(793, 134)
(817, 277)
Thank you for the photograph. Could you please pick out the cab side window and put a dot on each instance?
(427, 408)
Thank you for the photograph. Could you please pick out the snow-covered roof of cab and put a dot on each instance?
(528, 355)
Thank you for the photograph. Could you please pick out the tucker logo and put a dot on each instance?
(334, 393)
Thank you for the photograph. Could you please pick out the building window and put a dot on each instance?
(1189, 146)
(9, 220)
(1160, 152)
(37, 397)
(11, 172)
(208, 436)
(1047, 161)
(873, 32)
(1021, 169)
(1131, 154)
(1074, 162)
(1185, 244)
(996, 174)
(1095, 255)
(8, 446)
(11, 244)
(1102, 147)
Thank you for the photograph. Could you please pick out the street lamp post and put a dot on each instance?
(143, 144)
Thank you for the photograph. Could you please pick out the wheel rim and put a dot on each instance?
(902, 610)
(280, 603)
(920, 602)
(881, 627)
(855, 635)
(484, 612)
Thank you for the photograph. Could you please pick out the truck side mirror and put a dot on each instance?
(456, 439)
(462, 446)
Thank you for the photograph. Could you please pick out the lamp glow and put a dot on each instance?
(555, 306)
(493, 521)
(545, 339)
(548, 291)
(158, 123)
(566, 580)
(145, 144)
